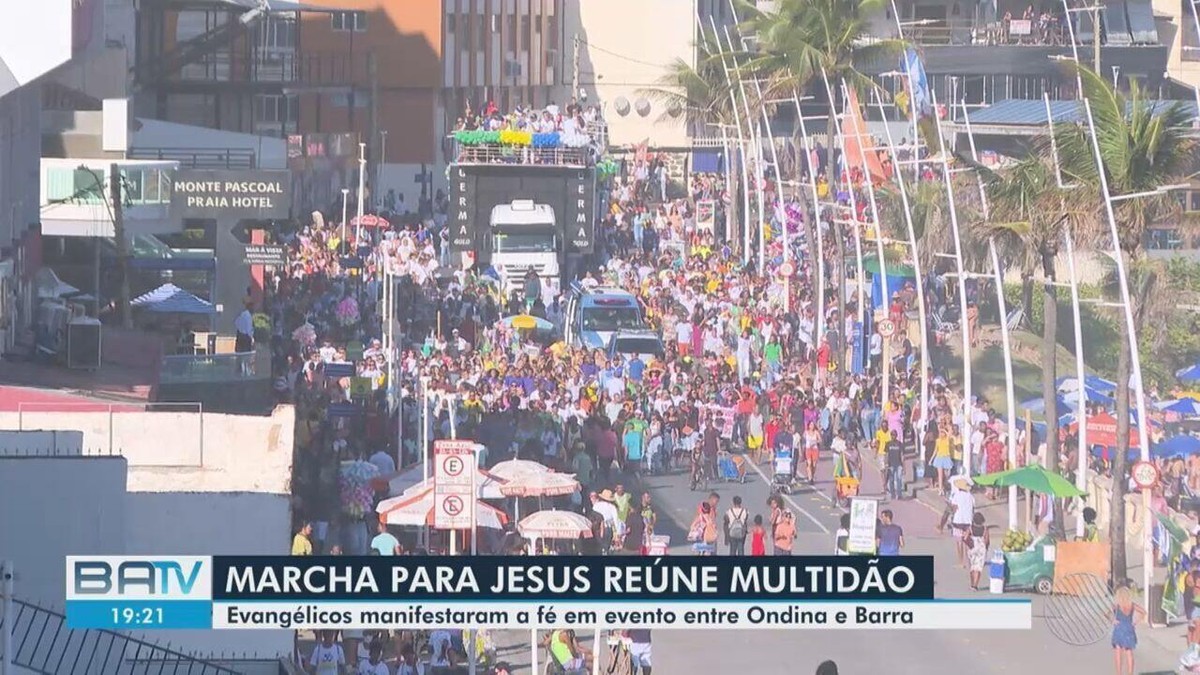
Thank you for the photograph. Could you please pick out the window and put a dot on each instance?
(451, 22)
(355, 21)
(276, 109)
(277, 33)
(525, 28)
(75, 186)
(144, 186)
(343, 101)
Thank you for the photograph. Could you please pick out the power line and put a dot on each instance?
(619, 55)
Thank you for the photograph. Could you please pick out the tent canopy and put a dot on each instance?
(170, 298)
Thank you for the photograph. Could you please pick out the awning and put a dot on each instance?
(170, 298)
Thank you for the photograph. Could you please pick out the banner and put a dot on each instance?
(231, 194)
(706, 215)
(402, 592)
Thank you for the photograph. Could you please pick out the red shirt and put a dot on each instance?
(758, 542)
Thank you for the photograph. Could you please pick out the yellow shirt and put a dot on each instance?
(301, 545)
(882, 438)
(941, 447)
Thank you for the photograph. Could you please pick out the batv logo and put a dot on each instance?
(138, 577)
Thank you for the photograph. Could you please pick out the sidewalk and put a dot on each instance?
(1172, 639)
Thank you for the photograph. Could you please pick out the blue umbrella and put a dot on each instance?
(1184, 406)
(1065, 384)
(1189, 374)
(1037, 405)
(1177, 446)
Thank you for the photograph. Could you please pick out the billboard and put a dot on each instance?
(231, 194)
(475, 189)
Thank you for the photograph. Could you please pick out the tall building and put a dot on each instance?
(26, 56)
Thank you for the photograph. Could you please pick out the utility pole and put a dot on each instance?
(1096, 38)
(373, 126)
(575, 67)
(118, 216)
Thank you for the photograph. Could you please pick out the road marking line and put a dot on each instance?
(788, 498)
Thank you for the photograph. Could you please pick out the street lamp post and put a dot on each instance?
(964, 329)
(742, 143)
(916, 261)
(362, 177)
(345, 211)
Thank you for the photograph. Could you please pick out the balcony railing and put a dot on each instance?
(212, 368)
(278, 68)
(42, 643)
(505, 154)
(200, 158)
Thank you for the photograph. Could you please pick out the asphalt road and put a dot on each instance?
(768, 652)
(878, 651)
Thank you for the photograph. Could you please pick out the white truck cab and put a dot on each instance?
(525, 236)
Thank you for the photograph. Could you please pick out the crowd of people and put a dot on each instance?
(743, 371)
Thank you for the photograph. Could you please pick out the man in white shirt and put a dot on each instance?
(963, 503)
(244, 326)
(327, 657)
(374, 665)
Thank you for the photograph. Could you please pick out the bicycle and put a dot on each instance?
(699, 477)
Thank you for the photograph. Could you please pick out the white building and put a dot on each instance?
(624, 48)
(109, 482)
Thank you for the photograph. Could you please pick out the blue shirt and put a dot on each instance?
(633, 445)
(385, 543)
(889, 539)
(636, 368)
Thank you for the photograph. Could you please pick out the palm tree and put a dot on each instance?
(705, 94)
(1144, 145)
(801, 42)
(1030, 214)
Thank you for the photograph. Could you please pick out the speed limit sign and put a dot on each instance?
(887, 328)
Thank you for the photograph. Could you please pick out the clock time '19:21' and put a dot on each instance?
(137, 616)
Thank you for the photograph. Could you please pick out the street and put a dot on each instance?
(894, 652)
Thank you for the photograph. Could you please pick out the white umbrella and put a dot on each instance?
(555, 525)
(513, 468)
(540, 484)
(487, 485)
(415, 509)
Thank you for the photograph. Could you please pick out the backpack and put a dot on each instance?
(710, 532)
(737, 525)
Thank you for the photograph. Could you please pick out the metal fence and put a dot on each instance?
(106, 430)
(505, 154)
(201, 368)
(200, 158)
(42, 643)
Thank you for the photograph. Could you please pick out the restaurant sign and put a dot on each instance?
(248, 194)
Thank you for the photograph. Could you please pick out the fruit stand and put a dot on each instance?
(1027, 564)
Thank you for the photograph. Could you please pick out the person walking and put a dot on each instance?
(1124, 636)
(889, 538)
(785, 534)
(976, 542)
(736, 526)
(758, 537)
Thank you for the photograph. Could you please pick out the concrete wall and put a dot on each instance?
(269, 153)
(58, 506)
(181, 451)
(626, 45)
(41, 443)
(235, 499)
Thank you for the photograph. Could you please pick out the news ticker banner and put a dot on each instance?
(277, 592)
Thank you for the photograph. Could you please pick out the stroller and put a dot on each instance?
(731, 467)
(783, 467)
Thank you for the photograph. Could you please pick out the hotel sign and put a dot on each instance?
(224, 194)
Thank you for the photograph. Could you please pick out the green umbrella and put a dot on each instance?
(1034, 478)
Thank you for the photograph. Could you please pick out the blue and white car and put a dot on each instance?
(594, 315)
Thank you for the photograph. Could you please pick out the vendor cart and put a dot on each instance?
(1029, 570)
